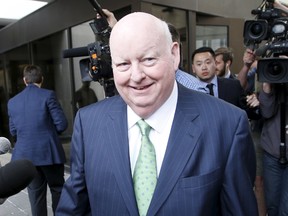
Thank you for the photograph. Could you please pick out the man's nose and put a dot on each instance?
(204, 66)
(137, 73)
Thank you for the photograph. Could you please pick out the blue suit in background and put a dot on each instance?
(207, 169)
(36, 119)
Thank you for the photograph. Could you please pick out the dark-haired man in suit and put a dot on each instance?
(36, 119)
(229, 90)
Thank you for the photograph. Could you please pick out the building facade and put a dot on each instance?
(41, 38)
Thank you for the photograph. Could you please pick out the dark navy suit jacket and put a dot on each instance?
(231, 91)
(36, 118)
(208, 168)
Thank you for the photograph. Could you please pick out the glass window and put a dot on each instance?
(4, 122)
(176, 17)
(47, 53)
(15, 61)
(211, 36)
(13, 64)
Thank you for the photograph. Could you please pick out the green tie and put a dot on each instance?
(145, 172)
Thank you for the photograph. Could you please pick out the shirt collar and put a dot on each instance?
(213, 81)
(228, 74)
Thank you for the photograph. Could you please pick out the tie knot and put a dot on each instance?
(210, 87)
(144, 127)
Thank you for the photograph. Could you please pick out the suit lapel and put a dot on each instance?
(181, 145)
(221, 91)
(118, 145)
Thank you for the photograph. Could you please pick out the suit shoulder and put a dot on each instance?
(16, 97)
(227, 80)
(234, 82)
(229, 83)
(46, 91)
(202, 100)
(104, 106)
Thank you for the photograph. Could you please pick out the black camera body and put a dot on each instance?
(97, 67)
(271, 24)
(99, 52)
(270, 29)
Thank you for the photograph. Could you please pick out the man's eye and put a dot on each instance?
(124, 66)
(149, 61)
(121, 64)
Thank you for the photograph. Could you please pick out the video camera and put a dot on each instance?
(271, 28)
(98, 66)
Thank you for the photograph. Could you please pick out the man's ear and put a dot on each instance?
(228, 63)
(40, 84)
(193, 70)
(175, 50)
(24, 80)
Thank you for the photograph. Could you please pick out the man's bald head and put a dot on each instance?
(144, 61)
(136, 24)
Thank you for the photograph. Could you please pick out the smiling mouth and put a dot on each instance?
(142, 87)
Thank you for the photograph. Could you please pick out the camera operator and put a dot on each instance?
(275, 173)
(248, 79)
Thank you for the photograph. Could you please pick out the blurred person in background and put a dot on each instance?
(35, 120)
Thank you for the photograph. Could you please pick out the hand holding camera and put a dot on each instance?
(252, 100)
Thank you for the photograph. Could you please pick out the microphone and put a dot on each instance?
(5, 145)
(15, 176)
(76, 52)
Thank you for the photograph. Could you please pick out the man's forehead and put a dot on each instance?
(136, 20)
(134, 29)
(203, 55)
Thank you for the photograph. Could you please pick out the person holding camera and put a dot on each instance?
(275, 171)
(248, 79)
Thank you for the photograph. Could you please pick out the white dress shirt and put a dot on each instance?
(161, 122)
(228, 74)
(202, 86)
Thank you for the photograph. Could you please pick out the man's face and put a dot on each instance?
(204, 67)
(144, 66)
(220, 66)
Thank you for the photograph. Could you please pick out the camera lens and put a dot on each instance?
(275, 68)
(256, 30)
